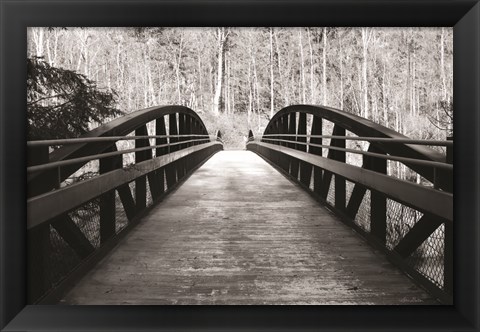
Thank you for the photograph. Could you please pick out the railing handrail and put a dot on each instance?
(435, 164)
(365, 128)
(67, 141)
(44, 181)
(390, 186)
(55, 164)
(371, 139)
(45, 207)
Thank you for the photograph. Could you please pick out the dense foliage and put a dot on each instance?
(62, 103)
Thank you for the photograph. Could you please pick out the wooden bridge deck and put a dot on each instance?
(237, 232)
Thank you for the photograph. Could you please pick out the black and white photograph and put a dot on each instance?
(240, 165)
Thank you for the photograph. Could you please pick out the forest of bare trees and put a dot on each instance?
(237, 78)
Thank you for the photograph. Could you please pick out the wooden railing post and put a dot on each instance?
(141, 183)
(170, 170)
(36, 156)
(317, 172)
(107, 200)
(285, 161)
(285, 128)
(339, 156)
(275, 130)
(38, 238)
(160, 131)
(292, 130)
(38, 267)
(378, 201)
(448, 247)
(181, 131)
(172, 129)
(188, 128)
(305, 168)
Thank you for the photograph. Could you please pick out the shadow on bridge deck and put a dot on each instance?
(237, 232)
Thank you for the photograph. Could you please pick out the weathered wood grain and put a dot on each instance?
(238, 232)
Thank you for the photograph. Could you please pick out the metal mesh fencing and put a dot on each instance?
(362, 218)
(331, 192)
(429, 258)
(61, 259)
(87, 219)
(121, 220)
(400, 219)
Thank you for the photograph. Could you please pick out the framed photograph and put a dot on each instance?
(267, 82)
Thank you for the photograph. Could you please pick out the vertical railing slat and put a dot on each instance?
(170, 170)
(339, 156)
(378, 201)
(317, 171)
(305, 168)
(141, 182)
(107, 200)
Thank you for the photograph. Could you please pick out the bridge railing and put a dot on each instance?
(353, 166)
(85, 195)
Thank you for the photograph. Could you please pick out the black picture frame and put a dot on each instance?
(16, 15)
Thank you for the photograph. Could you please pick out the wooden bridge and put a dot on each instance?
(149, 209)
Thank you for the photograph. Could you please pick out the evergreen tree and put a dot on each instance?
(61, 103)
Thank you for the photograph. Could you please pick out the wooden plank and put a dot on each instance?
(238, 241)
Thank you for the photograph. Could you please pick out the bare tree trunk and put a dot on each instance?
(302, 67)
(280, 72)
(409, 74)
(413, 94)
(384, 98)
(250, 97)
(442, 64)
(324, 68)
(272, 106)
(312, 87)
(199, 76)
(341, 72)
(38, 34)
(178, 60)
(256, 97)
(227, 85)
(222, 38)
(366, 34)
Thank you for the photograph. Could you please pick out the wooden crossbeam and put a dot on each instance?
(73, 236)
(424, 227)
(127, 200)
